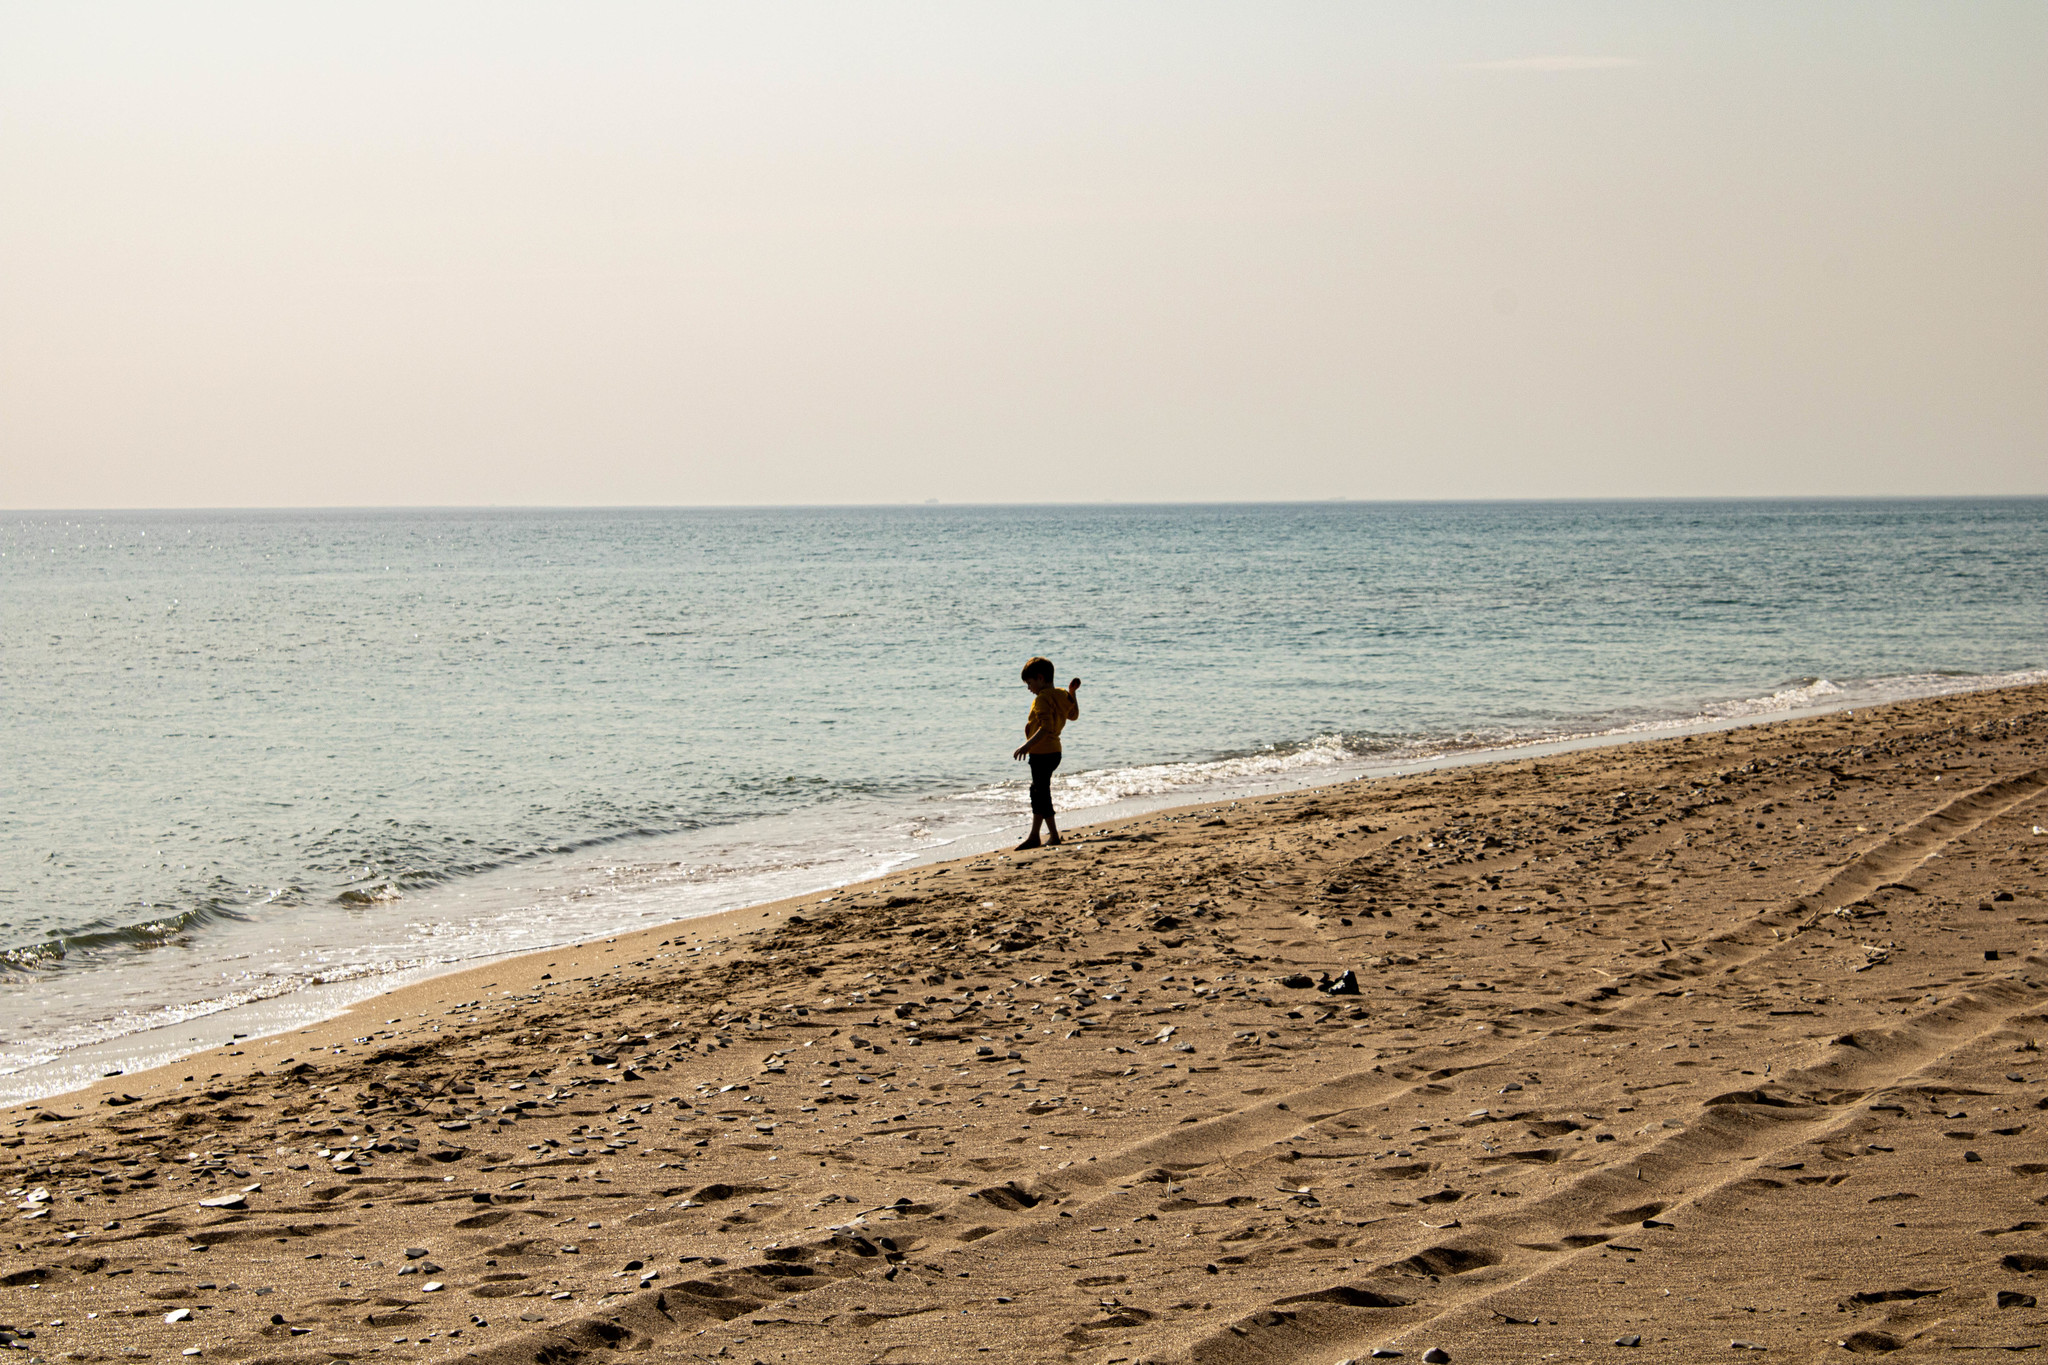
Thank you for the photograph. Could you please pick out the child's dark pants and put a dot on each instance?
(1041, 784)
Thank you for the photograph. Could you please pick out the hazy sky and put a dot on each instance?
(304, 254)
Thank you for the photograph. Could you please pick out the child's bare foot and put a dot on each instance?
(1053, 842)
(1032, 842)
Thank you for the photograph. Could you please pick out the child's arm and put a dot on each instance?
(1030, 738)
(1074, 700)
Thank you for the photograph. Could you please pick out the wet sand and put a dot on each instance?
(1719, 1040)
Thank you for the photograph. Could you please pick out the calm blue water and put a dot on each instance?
(248, 751)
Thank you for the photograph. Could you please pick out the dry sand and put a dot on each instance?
(1725, 1039)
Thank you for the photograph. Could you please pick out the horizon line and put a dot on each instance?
(948, 503)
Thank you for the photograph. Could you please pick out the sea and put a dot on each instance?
(256, 766)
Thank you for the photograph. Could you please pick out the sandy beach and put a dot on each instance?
(1646, 1053)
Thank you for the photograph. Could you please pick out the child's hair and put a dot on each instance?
(1038, 668)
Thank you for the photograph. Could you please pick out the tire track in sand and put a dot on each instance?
(1736, 1134)
(1250, 1131)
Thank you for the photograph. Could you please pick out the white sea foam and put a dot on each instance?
(1797, 697)
(1091, 788)
(1816, 694)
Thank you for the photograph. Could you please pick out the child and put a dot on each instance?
(1051, 709)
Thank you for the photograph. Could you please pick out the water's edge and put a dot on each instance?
(148, 1048)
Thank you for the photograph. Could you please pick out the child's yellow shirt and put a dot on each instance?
(1050, 711)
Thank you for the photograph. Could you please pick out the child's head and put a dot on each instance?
(1038, 673)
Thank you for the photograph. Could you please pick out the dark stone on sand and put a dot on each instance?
(2012, 1298)
(1630, 1340)
(1345, 984)
(1436, 1355)
(1299, 981)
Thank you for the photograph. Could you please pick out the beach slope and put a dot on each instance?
(1727, 1040)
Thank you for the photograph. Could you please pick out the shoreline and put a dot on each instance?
(253, 1022)
(1642, 1037)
